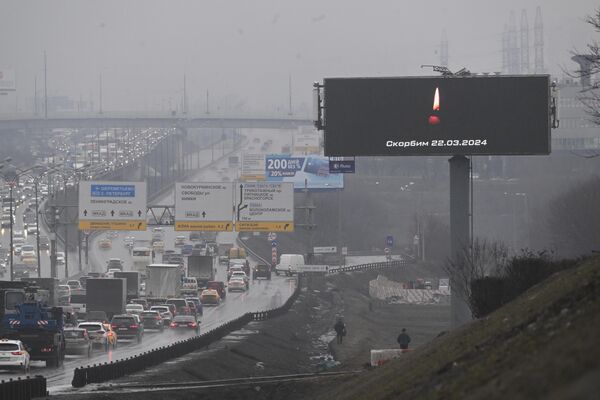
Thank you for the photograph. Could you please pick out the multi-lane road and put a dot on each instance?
(263, 294)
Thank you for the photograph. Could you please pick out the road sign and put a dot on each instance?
(389, 241)
(274, 243)
(253, 167)
(272, 236)
(274, 255)
(344, 251)
(341, 165)
(325, 250)
(204, 206)
(312, 268)
(265, 206)
(112, 206)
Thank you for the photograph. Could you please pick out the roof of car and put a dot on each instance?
(10, 341)
(209, 292)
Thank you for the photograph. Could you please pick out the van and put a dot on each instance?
(288, 264)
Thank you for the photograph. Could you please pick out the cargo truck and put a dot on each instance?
(133, 283)
(106, 294)
(163, 280)
(202, 268)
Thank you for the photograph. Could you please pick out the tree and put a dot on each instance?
(590, 67)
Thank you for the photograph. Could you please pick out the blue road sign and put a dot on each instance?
(389, 240)
(274, 243)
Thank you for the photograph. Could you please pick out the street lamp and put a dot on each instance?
(12, 179)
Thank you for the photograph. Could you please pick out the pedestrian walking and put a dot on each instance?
(340, 330)
(403, 339)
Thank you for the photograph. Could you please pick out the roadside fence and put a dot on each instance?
(23, 389)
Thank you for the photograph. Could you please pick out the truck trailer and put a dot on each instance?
(202, 268)
(163, 280)
(106, 294)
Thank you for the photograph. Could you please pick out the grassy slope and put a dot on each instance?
(543, 343)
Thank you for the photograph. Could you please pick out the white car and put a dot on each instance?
(74, 284)
(31, 229)
(27, 250)
(134, 309)
(111, 272)
(237, 283)
(241, 275)
(14, 355)
(165, 313)
(60, 258)
(99, 334)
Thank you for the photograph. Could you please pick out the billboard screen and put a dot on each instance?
(481, 115)
(312, 171)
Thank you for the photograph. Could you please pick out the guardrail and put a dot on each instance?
(370, 266)
(115, 369)
(23, 389)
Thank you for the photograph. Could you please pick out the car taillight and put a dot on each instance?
(18, 353)
(46, 349)
(157, 318)
(173, 325)
(193, 325)
(134, 326)
(114, 326)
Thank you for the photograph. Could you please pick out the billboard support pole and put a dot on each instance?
(459, 234)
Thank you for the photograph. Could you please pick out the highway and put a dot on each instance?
(262, 295)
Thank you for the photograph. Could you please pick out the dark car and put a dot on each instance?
(183, 323)
(197, 303)
(219, 286)
(96, 316)
(44, 243)
(128, 326)
(261, 271)
(152, 320)
(195, 236)
(187, 250)
(181, 306)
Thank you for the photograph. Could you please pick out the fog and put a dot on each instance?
(244, 52)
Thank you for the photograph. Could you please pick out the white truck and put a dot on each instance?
(163, 280)
(141, 256)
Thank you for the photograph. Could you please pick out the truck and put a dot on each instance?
(50, 285)
(133, 283)
(12, 293)
(106, 294)
(141, 256)
(40, 329)
(202, 268)
(163, 280)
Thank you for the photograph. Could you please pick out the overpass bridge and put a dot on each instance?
(75, 120)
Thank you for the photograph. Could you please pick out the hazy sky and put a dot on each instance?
(243, 51)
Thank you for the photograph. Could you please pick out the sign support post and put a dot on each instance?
(459, 234)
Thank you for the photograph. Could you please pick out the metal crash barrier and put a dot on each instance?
(23, 389)
(115, 369)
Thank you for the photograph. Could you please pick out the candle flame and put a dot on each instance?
(436, 100)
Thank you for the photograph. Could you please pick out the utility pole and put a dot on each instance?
(35, 110)
(100, 94)
(207, 109)
(308, 224)
(290, 93)
(45, 88)
(184, 105)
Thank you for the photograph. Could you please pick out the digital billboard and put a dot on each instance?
(479, 115)
(311, 172)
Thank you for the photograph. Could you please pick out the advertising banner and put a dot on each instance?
(310, 172)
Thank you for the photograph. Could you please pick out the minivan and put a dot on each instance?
(288, 264)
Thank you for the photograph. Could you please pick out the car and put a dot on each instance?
(219, 286)
(195, 236)
(31, 228)
(128, 326)
(44, 243)
(234, 268)
(179, 241)
(236, 283)
(158, 246)
(83, 280)
(100, 334)
(111, 272)
(60, 258)
(183, 323)
(14, 355)
(180, 304)
(27, 250)
(152, 320)
(17, 249)
(242, 275)
(289, 263)
(143, 302)
(114, 263)
(261, 271)
(197, 303)
(74, 284)
(77, 341)
(105, 244)
(187, 250)
(165, 313)
(134, 308)
(64, 294)
(129, 241)
(112, 234)
(30, 261)
(210, 297)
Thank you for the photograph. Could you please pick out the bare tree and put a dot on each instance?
(484, 259)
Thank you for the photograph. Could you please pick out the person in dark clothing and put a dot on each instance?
(340, 329)
(403, 339)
